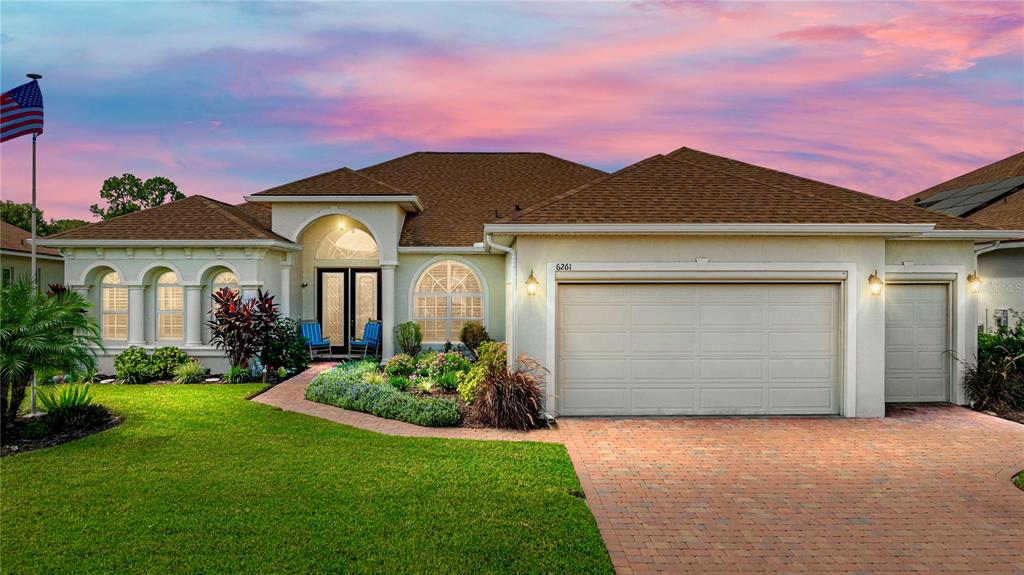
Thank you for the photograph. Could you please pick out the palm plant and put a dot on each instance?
(41, 334)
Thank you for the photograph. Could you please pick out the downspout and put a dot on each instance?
(510, 330)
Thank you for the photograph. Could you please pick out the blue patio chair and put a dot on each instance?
(315, 342)
(370, 341)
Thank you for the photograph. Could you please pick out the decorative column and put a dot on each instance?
(136, 315)
(193, 315)
(248, 292)
(284, 301)
(387, 312)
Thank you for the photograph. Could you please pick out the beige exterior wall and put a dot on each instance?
(51, 271)
(862, 254)
(1003, 288)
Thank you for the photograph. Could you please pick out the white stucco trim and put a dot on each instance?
(485, 294)
(475, 249)
(970, 235)
(752, 272)
(410, 200)
(955, 277)
(140, 279)
(17, 253)
(336, 211)
(198, 280)
(886, 230)
(83, 279)
(277, 244)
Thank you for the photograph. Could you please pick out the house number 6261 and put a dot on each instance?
(563, 267)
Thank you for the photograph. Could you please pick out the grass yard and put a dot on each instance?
(198, 480)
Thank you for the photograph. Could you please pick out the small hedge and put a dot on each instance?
(344, 387)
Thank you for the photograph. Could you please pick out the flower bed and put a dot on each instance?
(345, 386)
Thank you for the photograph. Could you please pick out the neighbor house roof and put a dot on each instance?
(992, 195)
(15, 239)
(690, 186)
(340, 182)
(193, 218)
(462, 191)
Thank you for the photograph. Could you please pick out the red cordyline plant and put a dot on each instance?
(240, 327)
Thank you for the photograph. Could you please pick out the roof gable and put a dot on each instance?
(340, 182)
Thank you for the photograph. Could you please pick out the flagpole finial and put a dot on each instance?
(35, 76)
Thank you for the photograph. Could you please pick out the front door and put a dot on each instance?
(347, 299)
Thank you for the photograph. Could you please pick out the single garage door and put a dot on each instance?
(916, 342)
(647, 349)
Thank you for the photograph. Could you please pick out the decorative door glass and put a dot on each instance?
(366, 301)
(332, 302)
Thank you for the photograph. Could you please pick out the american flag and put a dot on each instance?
(21, 111)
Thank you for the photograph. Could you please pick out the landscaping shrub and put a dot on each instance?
(491, 355)
(400, 383)
(134, 366)
(190, 372)
(374, 378)
(344, 387)
(165, 360)
(996, 380)
(473, 334)
(448, 363)
(447, 382)
(42, 335)
(75, 418)
(408, 337)
(285, 347)
(511, 398)
(402, 365)
(237, 374)
(54, 397)
(241, 328)
(424, 362)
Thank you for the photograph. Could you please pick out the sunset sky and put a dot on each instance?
(227, 99)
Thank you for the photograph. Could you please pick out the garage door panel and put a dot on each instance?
(593, 315)
(732, 343)
(802, 343)
(916, 340)
(700, 349)
(665, 342)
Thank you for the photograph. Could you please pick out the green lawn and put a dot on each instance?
(198, 480)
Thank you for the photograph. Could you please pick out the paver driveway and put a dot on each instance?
(926, 490)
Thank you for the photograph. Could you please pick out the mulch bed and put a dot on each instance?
(10, 446)
(1016, 416)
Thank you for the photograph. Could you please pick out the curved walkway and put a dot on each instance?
(925, 490)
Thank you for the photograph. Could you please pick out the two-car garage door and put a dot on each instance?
(643, 349)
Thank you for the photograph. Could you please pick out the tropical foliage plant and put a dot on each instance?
(165, 360)
(473, 334)
(409, 337)
(134, 366)
(491, 356)
(42, 335)
(401, 365)
(996, 381)
(285, 347)
(241, 328)
(192, 371)
(237, 374)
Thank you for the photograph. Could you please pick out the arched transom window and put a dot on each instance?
(113, 308)
(225, 280)
(170, 308)
(448, 294)
(347, 244)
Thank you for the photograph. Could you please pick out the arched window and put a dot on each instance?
(113, 308)
(224, 280)
(347, 244)
(448, 294)
(170, 308)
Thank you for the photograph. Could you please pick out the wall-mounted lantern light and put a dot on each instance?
(974, 282)
(875, 283)
(532, 284)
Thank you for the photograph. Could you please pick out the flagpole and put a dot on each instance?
(34, 275)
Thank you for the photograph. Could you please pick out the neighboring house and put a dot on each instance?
(992, 195)
(686, 283)
(16, 257)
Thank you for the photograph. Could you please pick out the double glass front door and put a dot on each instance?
(347, 299)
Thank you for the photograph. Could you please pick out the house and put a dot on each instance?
(16, 257)
(687, 283)
(992, 195)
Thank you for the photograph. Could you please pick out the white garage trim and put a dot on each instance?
(704, 270)
(956, 278)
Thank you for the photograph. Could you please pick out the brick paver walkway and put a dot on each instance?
(926, 490)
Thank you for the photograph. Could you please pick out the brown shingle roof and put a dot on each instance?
(461, 191)
(193, 218)
(1005, 168)
(688, 186)
(259, 211)
(16, 239)
(340, 182)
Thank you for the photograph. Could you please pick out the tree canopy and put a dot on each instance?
(128, 193)
(20, 215)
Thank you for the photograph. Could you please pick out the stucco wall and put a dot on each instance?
(1003, 287)
(867, 254)
(50, 271)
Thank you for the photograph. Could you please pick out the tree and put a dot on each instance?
(127, 194)
(18, 215)
(43, 334)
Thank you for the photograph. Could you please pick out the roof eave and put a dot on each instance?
(883, 230)
(73, 243)
(409, 203)
(976, 235)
